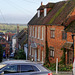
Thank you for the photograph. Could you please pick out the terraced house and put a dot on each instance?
(50, 26)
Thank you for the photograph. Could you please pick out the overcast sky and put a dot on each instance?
(19, 11)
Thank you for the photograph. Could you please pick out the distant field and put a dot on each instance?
(11, 28)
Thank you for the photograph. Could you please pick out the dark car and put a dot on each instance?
(21, 67)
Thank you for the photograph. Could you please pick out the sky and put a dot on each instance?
(20, 11)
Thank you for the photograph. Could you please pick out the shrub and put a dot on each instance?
(20, 54)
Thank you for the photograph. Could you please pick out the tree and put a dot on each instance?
(20, 54)
(1, 53)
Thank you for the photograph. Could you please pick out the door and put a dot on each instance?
(35, 55)
(42, 56)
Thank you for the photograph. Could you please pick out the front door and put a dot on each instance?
(35, 55)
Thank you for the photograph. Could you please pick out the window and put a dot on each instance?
(35, 68)
(30, 50)
(45, 12)
(11, 69)
(38, 13)
(26, 68)
(30, 31)
(42, 33)
(38, 32)
(64, 35)
(51, 51)
(38, 54)
(35, 32)
(52, 33)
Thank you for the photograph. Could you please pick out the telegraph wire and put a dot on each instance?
(13, 4)
(2, 16)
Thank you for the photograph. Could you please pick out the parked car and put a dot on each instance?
(11, 55)
(21, 67)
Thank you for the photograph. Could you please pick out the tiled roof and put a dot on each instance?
(49, 5)
(57, 15)
(67, 45)
(71, 27)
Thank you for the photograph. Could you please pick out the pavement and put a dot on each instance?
(63, 73)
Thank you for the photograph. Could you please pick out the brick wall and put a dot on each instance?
(39, 42)
(57, 42)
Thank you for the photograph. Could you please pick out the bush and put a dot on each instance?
(1, 53)
(65, 67)
(52, 67)
(20, 54)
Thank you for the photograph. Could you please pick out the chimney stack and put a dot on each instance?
(41, 3)
(17, 28)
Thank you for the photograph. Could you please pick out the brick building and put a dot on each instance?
(5, 45)
(48, 25)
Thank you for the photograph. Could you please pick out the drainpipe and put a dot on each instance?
(73, 37)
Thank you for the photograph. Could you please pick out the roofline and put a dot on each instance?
(47, 24)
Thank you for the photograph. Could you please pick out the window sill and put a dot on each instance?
(51, 56)
(53, 37)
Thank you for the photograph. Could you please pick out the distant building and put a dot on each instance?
(6, 46)
(14, 43)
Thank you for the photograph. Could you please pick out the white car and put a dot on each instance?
(21, 67)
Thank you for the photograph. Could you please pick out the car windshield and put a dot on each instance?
(2, 66)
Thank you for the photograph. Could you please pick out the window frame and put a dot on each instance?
(38, 32)
(52, 51)
(52, 33)
(10, 66)
(33, 70)
(64, 35)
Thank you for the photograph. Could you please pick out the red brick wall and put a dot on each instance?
(38, 41)
(57, 42)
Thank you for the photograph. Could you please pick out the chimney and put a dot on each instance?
(41, 3)
(17, 28)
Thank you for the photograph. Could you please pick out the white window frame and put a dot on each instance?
(30, 31)
(38, 32)
(35, 32)
(45, 12)
(52, 52)
(30, 50)
(39, 54)
(38, 13)
(42, 33)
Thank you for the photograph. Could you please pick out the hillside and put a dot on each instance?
(11, 27)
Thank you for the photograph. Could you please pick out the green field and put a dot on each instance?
(11, 27)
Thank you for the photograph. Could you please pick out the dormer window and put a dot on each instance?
(38, 13)
(45, 12)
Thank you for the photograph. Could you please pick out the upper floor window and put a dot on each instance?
(52, 33)
(42, 33)
(38, 32)
(51, 51)
(64, 35)
(30, 30)
(38, 13)
(45, 12)
(35, 32)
